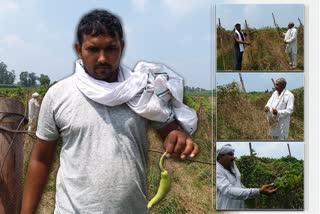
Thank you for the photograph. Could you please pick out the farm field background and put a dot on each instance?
(240, 115)
(192, 187)
(265, 53)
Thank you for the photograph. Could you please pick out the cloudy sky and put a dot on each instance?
(38, 36)
(259, 15)
(267, 149)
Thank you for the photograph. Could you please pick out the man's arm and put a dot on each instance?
(241, 193)
(235, 36)
(233, 192)
(37, 174)
(177, 142)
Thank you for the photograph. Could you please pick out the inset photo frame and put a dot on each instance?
(260, 176)
(260, 37)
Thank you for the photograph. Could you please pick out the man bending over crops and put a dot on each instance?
(278, 109)
(101, 112)
(231, 193)
(239, 46)
(290, 39)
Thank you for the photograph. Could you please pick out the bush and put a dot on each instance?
(287, 175)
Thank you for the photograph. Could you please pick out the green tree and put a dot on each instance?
(28, 79)
(44, 80)
(6, 77)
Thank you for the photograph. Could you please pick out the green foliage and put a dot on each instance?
(191, 91)
(191, 102)
(44, 80)
(22, 93)
(28, 79)
(286, 174)
(14, 92)
(6, 77)
(298, 102)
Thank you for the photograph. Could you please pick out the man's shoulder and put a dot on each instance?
(62, 86)
(289, 93)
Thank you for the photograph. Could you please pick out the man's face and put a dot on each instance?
(238, 27)
(226, 160)
(279, 86)
(101, 56)
(290, 26)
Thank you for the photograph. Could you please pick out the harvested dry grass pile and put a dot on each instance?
(237, 118)
(266, 51)
(225, 44)
(241, 116)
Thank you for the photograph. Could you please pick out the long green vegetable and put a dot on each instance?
(164, 186)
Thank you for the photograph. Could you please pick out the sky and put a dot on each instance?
(259, 15)
(261, 81)
(267, 149)
(38, 36)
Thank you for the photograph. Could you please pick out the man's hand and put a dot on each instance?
(274, 111)
(267, 189)
(178, 143)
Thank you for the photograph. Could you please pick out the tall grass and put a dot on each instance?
(266, 51)
(241, 116)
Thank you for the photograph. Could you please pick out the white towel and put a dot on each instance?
(153, 91)
(241, 46)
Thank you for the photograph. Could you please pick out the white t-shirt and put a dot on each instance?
(103, 155)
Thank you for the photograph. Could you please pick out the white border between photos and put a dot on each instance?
(311, 103)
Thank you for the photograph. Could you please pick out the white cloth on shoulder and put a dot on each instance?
(241, 46)
(152, 90)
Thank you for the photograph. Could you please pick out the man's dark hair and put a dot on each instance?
(237, 25)
(99, 22)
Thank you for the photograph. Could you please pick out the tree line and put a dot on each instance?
(27, 79)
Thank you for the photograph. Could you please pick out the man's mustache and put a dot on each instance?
(105, 65)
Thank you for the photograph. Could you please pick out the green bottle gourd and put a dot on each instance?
(164, 186)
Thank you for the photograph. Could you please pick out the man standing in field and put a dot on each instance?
(102, 127)
(239, 46)
(231, 193)
(290, 39)
(34, 107)
(278, 109)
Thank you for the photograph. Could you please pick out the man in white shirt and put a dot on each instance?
(290, 39)
(231, 193)
(278, 109)
(103, 158)
(33, 113)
